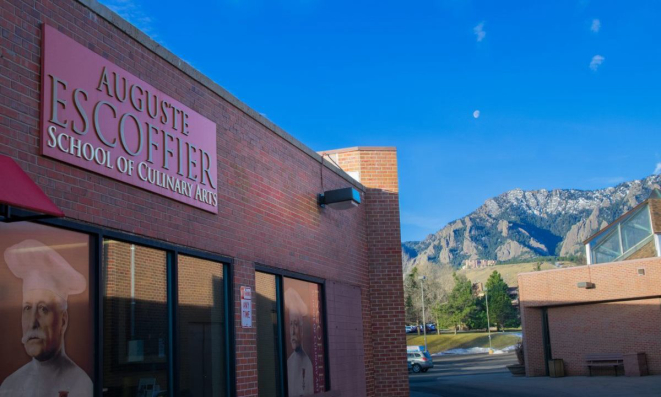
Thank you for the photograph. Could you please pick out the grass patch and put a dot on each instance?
(443, 342)
(508, 272)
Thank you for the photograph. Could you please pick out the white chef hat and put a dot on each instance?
(295, 304)
(41, 267)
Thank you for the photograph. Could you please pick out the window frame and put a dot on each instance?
(97, 235)
(279, 275)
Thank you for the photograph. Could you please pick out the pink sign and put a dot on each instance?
(97, 116)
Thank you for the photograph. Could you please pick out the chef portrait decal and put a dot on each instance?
(45, 300)
(304, 338)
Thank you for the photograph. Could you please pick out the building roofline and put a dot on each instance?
(359, 149)
(626, 261)
(142, 38)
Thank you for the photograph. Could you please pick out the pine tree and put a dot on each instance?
(501, 310)
(460, 304)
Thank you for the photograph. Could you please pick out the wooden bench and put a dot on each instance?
(604, 360)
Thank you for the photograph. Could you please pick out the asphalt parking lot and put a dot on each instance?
(484, 375)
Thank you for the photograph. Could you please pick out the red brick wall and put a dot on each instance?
(613, 317)
(267, 184)
(646, 251)
(655, 210)
(385, 349)
(618, 327)
(533, 346)
(346, 353)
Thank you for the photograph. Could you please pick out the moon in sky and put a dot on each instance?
(476, 114)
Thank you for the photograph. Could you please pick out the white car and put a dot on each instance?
(419, 359)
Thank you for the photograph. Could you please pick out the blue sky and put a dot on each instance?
(567, 91)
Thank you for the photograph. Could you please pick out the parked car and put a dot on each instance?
(419, 359)
(411, 329)
(429, 328)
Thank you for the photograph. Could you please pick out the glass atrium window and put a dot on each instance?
(636, 229)
(624, 238)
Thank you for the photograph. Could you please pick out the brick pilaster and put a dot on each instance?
(376, 168)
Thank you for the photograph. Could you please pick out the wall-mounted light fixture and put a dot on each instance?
(585, 284)
(339, 199)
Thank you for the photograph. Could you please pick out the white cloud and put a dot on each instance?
(479, 31)
(476, 114)
(657, 170)
(132, 11)
(596, 25)
(596, 61)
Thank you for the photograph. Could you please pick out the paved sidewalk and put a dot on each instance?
(486, 376)
(503, 384)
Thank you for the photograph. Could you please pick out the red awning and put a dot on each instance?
(18, 191)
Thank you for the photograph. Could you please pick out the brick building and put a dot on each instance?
(611, 306)
(210, 268)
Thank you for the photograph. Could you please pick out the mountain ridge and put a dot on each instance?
(520, 224)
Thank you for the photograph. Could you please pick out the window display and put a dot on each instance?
(44, 279)
(304, 338)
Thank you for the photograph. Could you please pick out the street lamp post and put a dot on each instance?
(438, 323)
(424, 321)
(486, 295)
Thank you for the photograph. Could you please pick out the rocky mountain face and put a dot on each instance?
(526, 224)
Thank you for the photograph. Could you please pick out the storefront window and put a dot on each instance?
(201, 328)
(45, 307)
(304, 338)
(268, 359)
(46, 285)
(135, 319)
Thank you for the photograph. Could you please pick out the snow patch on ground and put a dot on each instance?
(477, 350)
